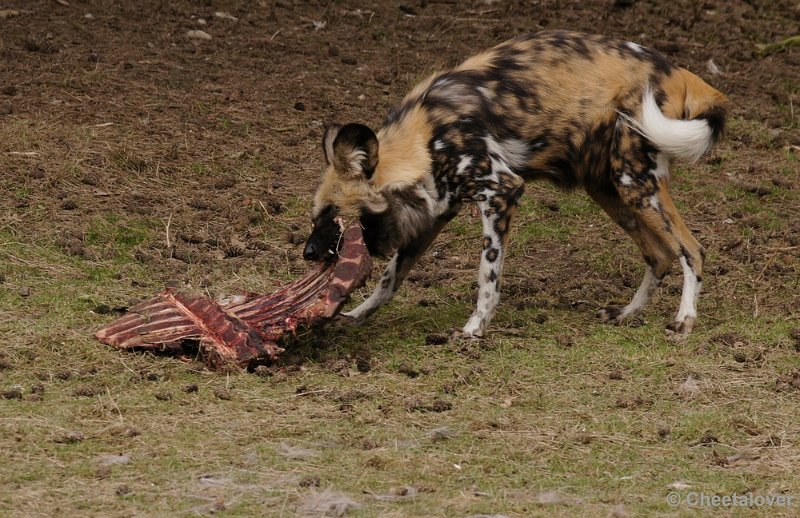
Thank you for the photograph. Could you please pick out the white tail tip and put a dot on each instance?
(688, 139)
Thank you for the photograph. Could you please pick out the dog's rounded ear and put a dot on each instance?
(327, 142)
(353, 150)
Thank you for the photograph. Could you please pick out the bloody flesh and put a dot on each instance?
(244, 331)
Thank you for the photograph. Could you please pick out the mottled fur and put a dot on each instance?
(576, 109)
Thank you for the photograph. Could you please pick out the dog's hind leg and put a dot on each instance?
(677, 236)
(644, 208)
(657, 259)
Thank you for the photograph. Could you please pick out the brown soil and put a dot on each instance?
(112, 113)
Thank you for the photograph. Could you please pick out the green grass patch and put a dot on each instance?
(119, 235)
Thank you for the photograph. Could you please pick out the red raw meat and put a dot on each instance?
(242, 332)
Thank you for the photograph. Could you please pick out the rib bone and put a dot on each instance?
(246, 331)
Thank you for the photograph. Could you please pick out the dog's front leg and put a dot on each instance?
(397, 270)
(382, 294)
(496, 211)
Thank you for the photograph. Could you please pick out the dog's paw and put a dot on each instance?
(681, 328)
(343, 320)
(459, 334)
(611, 314)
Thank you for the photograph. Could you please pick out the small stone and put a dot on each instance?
(122, 490)
(707, 439)
(131, 432)
(293, 238)
(24, 291)
(198, 35)
(564, 341)
(309, 481)
(778, 181)
(363, 365)
(757, 189)
(114, 459)
(408, 371)
(616, 375)
(788, 382)
(149, 375)
(440, 434)
(436, 339)
(663, 430)
(552, 205)
(101, 309)
(396, 493)
(190, 389)
(340, 366)
(223, 394)
(349, 60)
(414, 404)
(263, 371)
(440, 405)
(163, 396)
(70, 437)
(76, 248)
(226, 182)
(31, 46)
(13, 393)
(226, 16)
(88, 391)
(8, 13)
(275, 207)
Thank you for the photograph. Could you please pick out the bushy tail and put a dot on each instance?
(693, 135)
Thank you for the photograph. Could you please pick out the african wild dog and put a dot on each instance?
(577, 109)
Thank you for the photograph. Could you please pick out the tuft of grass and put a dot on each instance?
(111, 232)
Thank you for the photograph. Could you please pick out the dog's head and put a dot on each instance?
(346, 192)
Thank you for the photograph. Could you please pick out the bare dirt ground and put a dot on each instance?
(133, 155)
(124, 103)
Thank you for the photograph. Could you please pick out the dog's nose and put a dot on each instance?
(310, 252)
